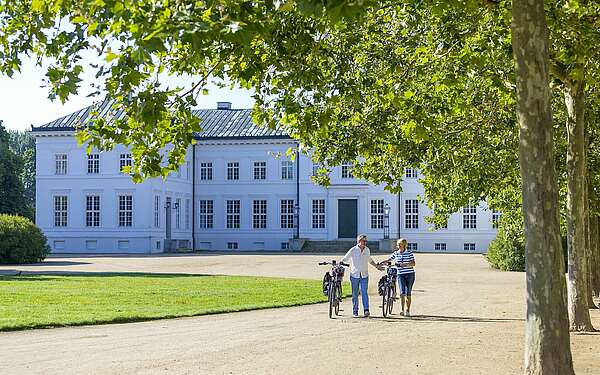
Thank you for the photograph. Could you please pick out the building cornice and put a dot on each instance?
(53, 133)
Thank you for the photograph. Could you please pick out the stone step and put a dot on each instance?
(335, 246)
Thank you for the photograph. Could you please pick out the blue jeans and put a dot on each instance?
(363, 282)
(406, 283)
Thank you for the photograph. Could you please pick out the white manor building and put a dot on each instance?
(234, 192)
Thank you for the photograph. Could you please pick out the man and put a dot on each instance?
(359, 273)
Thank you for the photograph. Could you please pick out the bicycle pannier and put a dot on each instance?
(326, 281)
(380, 285)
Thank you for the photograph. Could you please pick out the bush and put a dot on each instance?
(507, 251)
(21, 241)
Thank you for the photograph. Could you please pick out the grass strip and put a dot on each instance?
(45, 301)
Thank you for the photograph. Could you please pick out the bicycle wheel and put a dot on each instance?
(384, 302)
(390, 300)
(337, 296)
(331, 295)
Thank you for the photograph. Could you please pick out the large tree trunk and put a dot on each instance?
(547, 346)
(596, 260)
(594, 247)
(588, 241)
(579, 314)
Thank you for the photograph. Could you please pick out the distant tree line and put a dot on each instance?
(17, 173)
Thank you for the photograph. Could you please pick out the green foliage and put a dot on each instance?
(12, 200)
(23, 145)
(21, 241)
(51, 301)
(142, 41)
(507, 251)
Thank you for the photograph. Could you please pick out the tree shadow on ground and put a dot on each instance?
(445, 318)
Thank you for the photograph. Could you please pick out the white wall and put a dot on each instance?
(141, 237)
(145, 237)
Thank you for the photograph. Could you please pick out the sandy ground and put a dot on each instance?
(467, 319)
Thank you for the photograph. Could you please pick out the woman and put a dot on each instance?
(404, 260)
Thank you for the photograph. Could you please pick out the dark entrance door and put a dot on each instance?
(347, 218)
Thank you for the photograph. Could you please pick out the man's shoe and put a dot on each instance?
(355, 315)
(407, 314)
(367, 314)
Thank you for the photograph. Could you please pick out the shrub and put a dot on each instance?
(507, 251)
(21, 241)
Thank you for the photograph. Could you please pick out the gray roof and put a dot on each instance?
(215, 123)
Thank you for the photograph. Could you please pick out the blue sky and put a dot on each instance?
(23, 102)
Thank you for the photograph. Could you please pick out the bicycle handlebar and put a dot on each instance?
(334, 263)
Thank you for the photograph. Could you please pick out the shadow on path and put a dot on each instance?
(444, 318)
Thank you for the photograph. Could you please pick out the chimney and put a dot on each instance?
(223, 105)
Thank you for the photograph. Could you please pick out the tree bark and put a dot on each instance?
(547, 346)
(579, 314)
(594, 247)
(596, 259)
(588, 240)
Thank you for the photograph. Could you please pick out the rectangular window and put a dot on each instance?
(124, 161)
(287, 213)
(93, 165)
(187, 214)
(287, 170)
(61, 207)
(260, 170)
(232, 245)
(410, 172)
(347, 170)
(318, 213)
(412, 246)
(440, 247)
(377, 214)
(60, 163)
(469, 247)
(233, 170)
(125, 210)
(285, 246)
(157, 211)
(411, 214)
(259, 214)
(206, 171)
(91, 244)
(470, 217)
(178, 213)
(495, 219)
(206, 214)
(233, 214)
(92, 211)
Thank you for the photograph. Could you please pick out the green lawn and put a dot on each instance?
(36, 301)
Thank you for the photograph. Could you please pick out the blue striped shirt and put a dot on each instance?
(406, 257)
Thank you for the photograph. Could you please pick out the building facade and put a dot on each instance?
(237, 190)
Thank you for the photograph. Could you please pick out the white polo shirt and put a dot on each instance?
(359, 266)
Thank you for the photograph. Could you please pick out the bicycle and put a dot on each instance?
(388, 290)
(334, 289)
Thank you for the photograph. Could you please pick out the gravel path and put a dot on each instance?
(467, 319)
